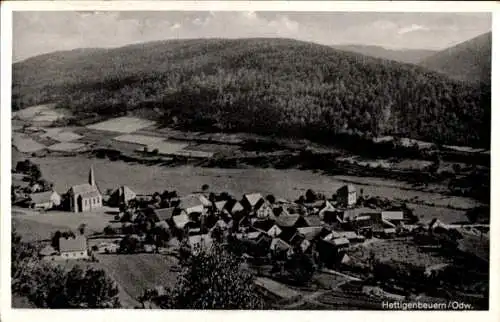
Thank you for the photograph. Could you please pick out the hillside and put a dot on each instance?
(267, 86)
(468, 61)
(409, 56)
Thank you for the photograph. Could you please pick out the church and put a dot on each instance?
(85, 197)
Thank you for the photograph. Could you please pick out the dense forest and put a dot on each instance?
(268, 86)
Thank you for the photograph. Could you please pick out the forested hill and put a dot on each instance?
(409, 56)
(267, 86)
(470, 60)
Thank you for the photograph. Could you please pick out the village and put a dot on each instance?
(366, 245)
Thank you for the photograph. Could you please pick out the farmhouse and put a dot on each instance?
(44, 200)
(85, 197)
(73, 248)
(122, 195)
(346, 196)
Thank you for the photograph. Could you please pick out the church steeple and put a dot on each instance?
(91, 176)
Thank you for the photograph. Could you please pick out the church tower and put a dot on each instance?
(91, 177)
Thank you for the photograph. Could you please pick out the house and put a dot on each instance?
(331, 251)
(274, 291)
(274, 231)
(235, 208)
(280, 211)
(313, 220)
(257, 205)
(310, 233)
(193, 204)
(122, 195)
(85, 197)
(346, 196)
(279, 247)
(44, 200)
(326, 207)
(73, 248)
(250, 200)
(351, 236)
(394, 217)
(291, 221)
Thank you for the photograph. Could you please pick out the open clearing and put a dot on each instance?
(26, 144)
(122, 125)
(290, 183)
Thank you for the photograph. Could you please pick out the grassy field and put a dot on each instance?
(40, 226)
(290, 183)
(137, 272)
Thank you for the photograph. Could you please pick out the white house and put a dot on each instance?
(44, 200)
(73, 248)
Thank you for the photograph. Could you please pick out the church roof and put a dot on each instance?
(84, 189)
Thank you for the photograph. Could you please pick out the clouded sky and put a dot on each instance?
(35, 33)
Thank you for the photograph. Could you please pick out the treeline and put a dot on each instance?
(267, 86)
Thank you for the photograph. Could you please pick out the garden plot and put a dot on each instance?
(122, 125)
(26, 144)
(139, 139)
(66, 146)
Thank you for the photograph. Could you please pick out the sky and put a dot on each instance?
(36, 33)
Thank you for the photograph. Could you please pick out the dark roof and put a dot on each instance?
(79, 243)
(264, 225)
(164, 213)
(287, 234)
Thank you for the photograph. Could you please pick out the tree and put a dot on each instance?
(300, 267)
(82, 228)
(55, 240)
(205, 187)
(310, 195)
(271, 199)
(213, 279)
(129, 244)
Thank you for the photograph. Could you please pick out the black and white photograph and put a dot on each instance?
(249, 160)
